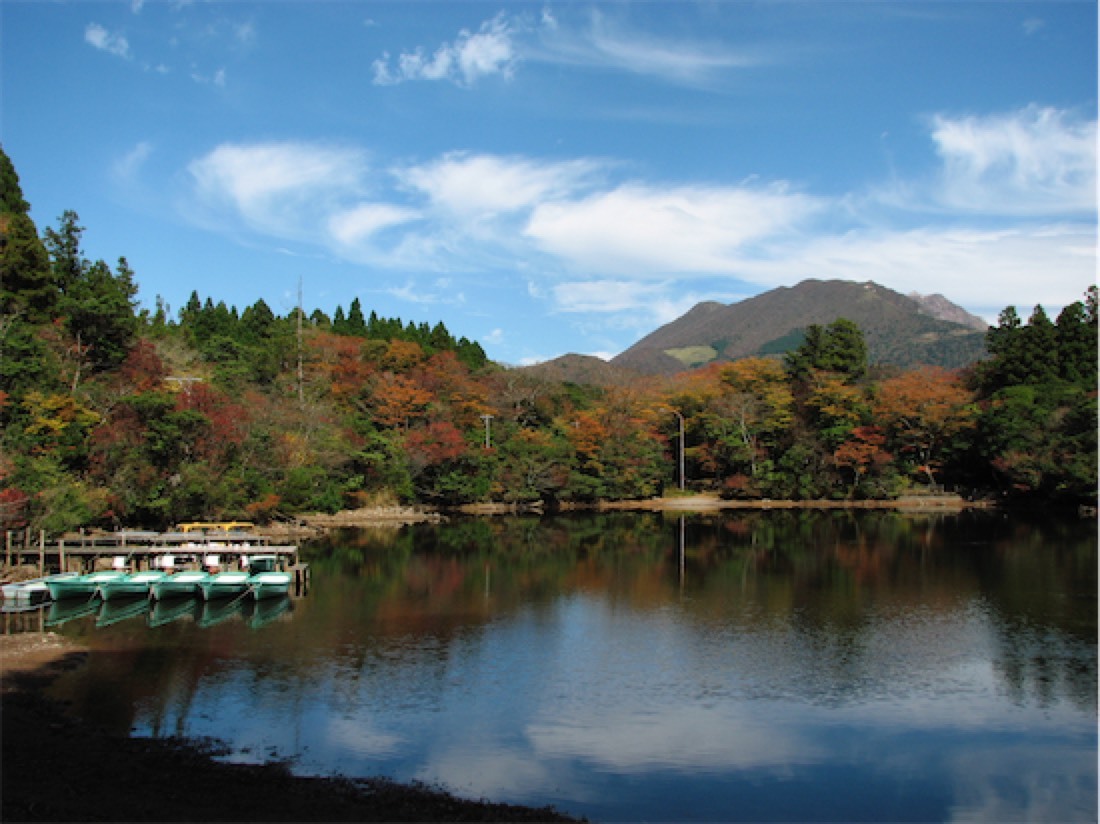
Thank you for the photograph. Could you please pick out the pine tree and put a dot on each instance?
(26, 286)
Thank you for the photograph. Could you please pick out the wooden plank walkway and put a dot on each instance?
(140, 549)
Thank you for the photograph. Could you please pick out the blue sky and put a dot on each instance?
(561, 177)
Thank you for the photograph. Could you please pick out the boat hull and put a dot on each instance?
(180, 585)
(130, 586)
(224, 585)
(34, 590)
(266, 585)
(82, 586)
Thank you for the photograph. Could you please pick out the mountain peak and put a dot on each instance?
(899, 330)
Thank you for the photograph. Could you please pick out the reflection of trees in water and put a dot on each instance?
(834, 580)
(1045, 596)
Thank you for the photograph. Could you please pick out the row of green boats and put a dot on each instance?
(204, 614)
(262, 580)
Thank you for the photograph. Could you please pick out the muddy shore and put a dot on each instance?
(58, 768)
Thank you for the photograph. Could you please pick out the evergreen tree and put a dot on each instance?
(66, 257)
(839, 347)
(257, 322)
(26, 287)
(356, 323)
(99, 312)
(1040, 348)
(1077, 345)
(339, 322)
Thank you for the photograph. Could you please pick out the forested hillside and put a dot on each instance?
(117, 416)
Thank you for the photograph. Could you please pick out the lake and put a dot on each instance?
(758, 666)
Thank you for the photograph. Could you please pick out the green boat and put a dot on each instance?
(267, 579)
(180, 584)
(269, 584)
(81, 586)
(224, 585)
(136, 584)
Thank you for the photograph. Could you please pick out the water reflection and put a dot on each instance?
(762, 666)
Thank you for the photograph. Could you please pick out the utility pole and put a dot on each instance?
(680, 420)
(301, 381)
(488, 436)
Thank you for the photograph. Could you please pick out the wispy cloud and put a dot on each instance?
(503, 42)
(1029, 263)
(636, 251)
(442, 291)
(470, 57)
(288, 190)
(104, 40)
(481, 186)
(128, 167)
(1037, 160)
(603, 44)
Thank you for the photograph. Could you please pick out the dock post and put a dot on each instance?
(60, 554)
(42, 552)
(7, 547)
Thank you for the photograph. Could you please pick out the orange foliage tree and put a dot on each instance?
(923, 412)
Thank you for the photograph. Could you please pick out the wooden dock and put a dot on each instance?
(140, 550)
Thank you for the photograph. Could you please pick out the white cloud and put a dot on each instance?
(981, 269)
(440, 292)
(127, 167)
(603, 295)
(359, 223)
(486, 185)
(1033, 25)
(644, 230)
(470, 57)
(604, 45)
(282, 189)
(639, 253)
(112, 43)
(1034, 161)
(503, 42)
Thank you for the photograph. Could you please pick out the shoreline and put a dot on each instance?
(60, 768)
(313, 524)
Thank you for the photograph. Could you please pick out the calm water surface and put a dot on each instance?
(765, 666)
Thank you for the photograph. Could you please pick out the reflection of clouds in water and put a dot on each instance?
(688, 737)
(1004, 784)
(357, 735)
(497, 774)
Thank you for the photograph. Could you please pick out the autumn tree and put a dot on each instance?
(928, 414)
(757, 405)
(864, 455)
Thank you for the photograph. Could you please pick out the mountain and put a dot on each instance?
(940, 307)
(581, 369)
(900, 330)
